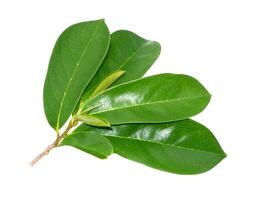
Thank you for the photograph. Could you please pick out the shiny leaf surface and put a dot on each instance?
(76, 57)
(89, 142)
(182, 147)
(155, 99)
(128, 52)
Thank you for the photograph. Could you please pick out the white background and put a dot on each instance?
(221, 43)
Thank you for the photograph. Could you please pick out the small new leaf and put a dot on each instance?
(108, 82)
(93, 121)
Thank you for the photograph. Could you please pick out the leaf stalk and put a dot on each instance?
(72, 123)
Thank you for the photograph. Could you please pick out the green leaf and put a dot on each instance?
(128, 52)
(100, 88)
(76, 57)
(155, 99)
(182, 147)
(93, 121)
(108, 82)
(89, 142)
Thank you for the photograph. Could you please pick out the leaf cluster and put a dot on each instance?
(94, 80)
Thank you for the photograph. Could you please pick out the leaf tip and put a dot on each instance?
(224, 155)
(121, 72)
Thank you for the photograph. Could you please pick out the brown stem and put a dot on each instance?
(54, 144)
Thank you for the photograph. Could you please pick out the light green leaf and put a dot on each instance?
(100, 88)
(89, 142)
(108, 82)
(93, 121)
(155, 99)
(182, 147)
(128, 52)
(76, 57)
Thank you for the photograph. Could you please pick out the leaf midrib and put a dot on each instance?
(131, 56)
(75, 69)
(164, 144)
(154, 103)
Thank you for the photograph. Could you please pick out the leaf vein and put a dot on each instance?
(149, 103)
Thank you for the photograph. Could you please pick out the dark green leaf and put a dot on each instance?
(76, 57)
(90, 142)
(127, 52)
(182, 147)
(155, 99)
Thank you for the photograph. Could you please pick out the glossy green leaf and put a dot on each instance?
(155, 99)
(89, 142)
(182, 147)
(76, 57)
(93, 121)
(128, 52)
